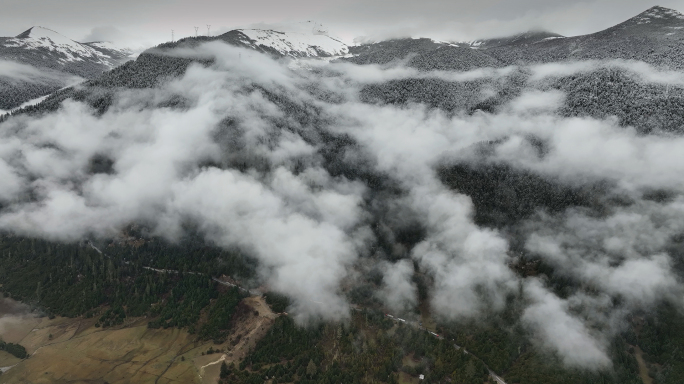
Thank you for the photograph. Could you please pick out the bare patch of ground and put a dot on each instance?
(123, 355)
(7, 360)
(75, 351)
(405, 378)
(16, 320)
(643, 369)
(250, 328)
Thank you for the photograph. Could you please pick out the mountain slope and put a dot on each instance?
(296, 44)
(282, 44)
(654, 36)
(43, 47)
(423, 54)
(44, 61)
(531, 37)
(387, 51)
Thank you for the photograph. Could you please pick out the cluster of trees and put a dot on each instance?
(435, 93)
(660, 335)
(651, 47)
(184, 302)
(599, 94)
(277, 302)
(504, 345)
(219, 320)
(613, 92)
(13, 349)
(112, 316)
(370, 348)
(76, 279)
(79, 280)
(450, 96)
(13, 93)
(385, 52)
(147, 71)
(423, 54)
(450, 58)
(503, 195)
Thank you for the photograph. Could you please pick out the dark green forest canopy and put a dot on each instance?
(80, 281)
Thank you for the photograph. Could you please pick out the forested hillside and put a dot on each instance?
(40, 61)
(127, 280)
(417, 208)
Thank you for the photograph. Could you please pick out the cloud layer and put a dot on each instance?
(278, 159)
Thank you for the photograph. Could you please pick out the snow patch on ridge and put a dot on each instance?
(70, 50)
(658, 13)
(305, 39)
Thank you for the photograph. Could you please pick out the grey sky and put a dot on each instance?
(142, 22)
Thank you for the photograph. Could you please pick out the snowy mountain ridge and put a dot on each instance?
(658, 13)
(67, 50)
(297, 44)
(524, 38)
(303, 39)
(53, 61)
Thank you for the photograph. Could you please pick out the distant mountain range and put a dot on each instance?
(295, 40)
(42, 61)
(654, 36)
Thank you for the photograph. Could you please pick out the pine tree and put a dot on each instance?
(225, 372)
(311, 369)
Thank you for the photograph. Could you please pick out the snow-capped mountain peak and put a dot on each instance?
(297, 44)
(65, 49)
(658, 12)
(41, 37)
(56, 62)
(304, 39)
(42, 33)
(655, 19)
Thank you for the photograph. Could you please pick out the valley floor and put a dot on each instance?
(75, 351)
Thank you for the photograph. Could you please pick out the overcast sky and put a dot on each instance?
(143, 22)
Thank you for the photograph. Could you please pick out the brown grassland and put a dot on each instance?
(64, 350)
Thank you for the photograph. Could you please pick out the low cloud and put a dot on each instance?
(293, 149)
(13, 316)
(13, 72)
(555, 328)
(398, 292)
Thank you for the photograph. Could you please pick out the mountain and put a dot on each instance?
(656, 22)
(294, 40)
(531, 37)
(655, 36)
(43, 61)
(306, 39)
(423, 54)
(43, 47)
